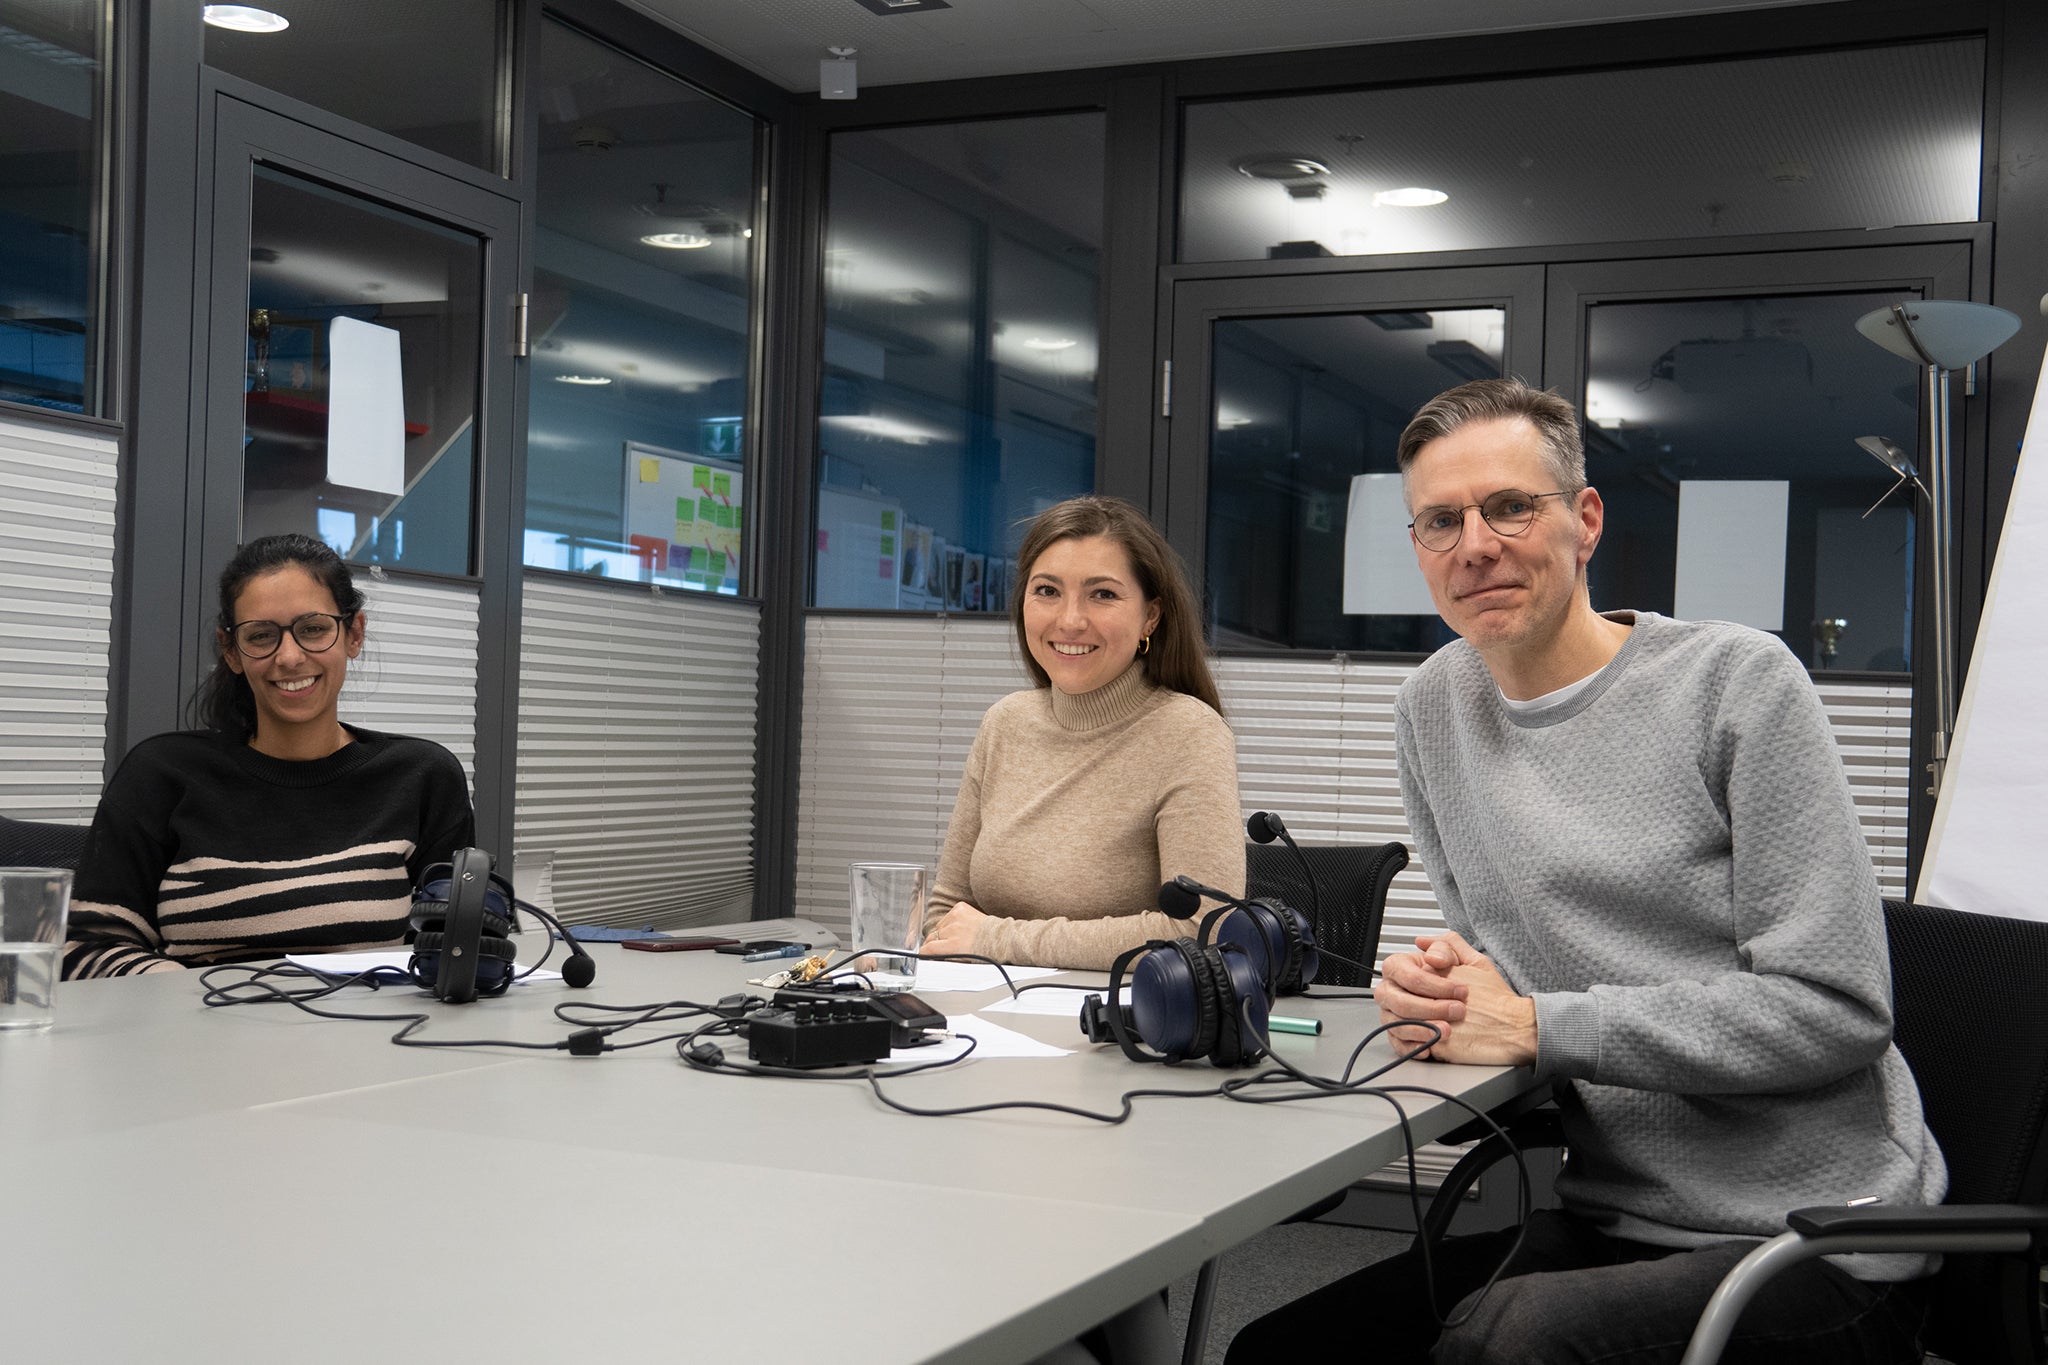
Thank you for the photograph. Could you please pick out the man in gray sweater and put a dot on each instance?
(1642, 840)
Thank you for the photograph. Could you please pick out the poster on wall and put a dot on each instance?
(683, 516)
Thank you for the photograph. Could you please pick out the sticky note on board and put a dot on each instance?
(650, 469)
(888, 569)
(888, 545)
(685, 510)
(700, 477)
(725, 516)
(707, 510)
(888, 521)
(699, 556)
(721, 484)
(717, 564)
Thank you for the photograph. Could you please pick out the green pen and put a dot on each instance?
(1287, 1023)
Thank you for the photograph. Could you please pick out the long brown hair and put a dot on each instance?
(1177, 657)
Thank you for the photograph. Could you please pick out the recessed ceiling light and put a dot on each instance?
(677, 241)
(1278, 166)
(1050, 343)
(592, 380)
(1414, 197)
(245, 19)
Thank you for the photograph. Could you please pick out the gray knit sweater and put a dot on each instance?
(1669, 863)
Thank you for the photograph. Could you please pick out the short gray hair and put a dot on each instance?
(1488, 400)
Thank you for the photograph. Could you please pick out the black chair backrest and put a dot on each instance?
(1970, 1008)
(1353, 879)
(32, 843)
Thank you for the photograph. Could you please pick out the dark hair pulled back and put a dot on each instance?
(224, 701)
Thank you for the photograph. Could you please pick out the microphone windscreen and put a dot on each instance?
(580, 970)
(1178, 901)
(1264, 827)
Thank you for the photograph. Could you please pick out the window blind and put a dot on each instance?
(56, 592)
(636, 752)
(891, 706)
(417, 672)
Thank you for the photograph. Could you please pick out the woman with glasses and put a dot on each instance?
(275, 828)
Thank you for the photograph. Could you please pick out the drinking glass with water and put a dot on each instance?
(34, 902)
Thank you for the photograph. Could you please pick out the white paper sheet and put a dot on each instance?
(1380, 575)
(1060, 1004)
(990, 1040)
(1731, 551)
(352, 964)
(365, 407)
(935, 978)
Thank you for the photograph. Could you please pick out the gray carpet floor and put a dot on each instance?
(1279, 1265)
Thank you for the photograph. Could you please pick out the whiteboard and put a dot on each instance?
(683, 518)
(1983, 853)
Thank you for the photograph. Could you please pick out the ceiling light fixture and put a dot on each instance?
(245, 19)
(588, 380)
(1413, 197)
(1279, 166)
(677, 241)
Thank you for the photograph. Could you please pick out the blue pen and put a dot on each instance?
(787, 950)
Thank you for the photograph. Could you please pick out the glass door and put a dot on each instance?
(1288, 395)
(359, 383)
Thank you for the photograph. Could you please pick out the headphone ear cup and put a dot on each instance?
(496, 962)
(1240, 993)
(1173, 999)
(1307, 961)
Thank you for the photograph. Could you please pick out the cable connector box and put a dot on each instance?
(821, 1033)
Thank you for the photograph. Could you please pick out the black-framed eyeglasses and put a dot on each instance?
(316, 633)
(1508, 512)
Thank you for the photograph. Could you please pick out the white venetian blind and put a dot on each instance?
(417, 672)
(636, 752)
(56, 594)
(891, 705)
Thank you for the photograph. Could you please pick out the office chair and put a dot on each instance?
(32, 843)
(1957, 979)
(1972, 1021)
(1353, 881)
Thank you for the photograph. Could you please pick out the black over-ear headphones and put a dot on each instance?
(1188, 999)
(462, 915)
(1278, 939)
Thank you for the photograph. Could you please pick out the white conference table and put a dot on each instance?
(183, 1183)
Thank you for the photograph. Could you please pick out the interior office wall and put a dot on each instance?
(891, 705)
(637, 742)
(57, 497)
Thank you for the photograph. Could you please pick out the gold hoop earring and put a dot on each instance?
(1144, 646)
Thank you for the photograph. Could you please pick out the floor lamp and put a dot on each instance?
(1941, 335)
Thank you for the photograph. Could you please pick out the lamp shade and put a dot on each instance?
(1950, 332)
(1895, 456)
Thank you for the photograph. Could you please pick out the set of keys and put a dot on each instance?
(805, 971)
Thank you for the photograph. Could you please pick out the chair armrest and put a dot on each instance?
(1836, 1221)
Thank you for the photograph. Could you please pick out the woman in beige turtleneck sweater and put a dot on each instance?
(1114, 773)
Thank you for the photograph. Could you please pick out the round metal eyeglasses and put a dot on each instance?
(1509, 512)
(316, 633)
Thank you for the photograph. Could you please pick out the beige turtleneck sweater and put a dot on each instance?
(1074, 809)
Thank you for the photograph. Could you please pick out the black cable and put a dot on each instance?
(838, 971)
(1386, 1094)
